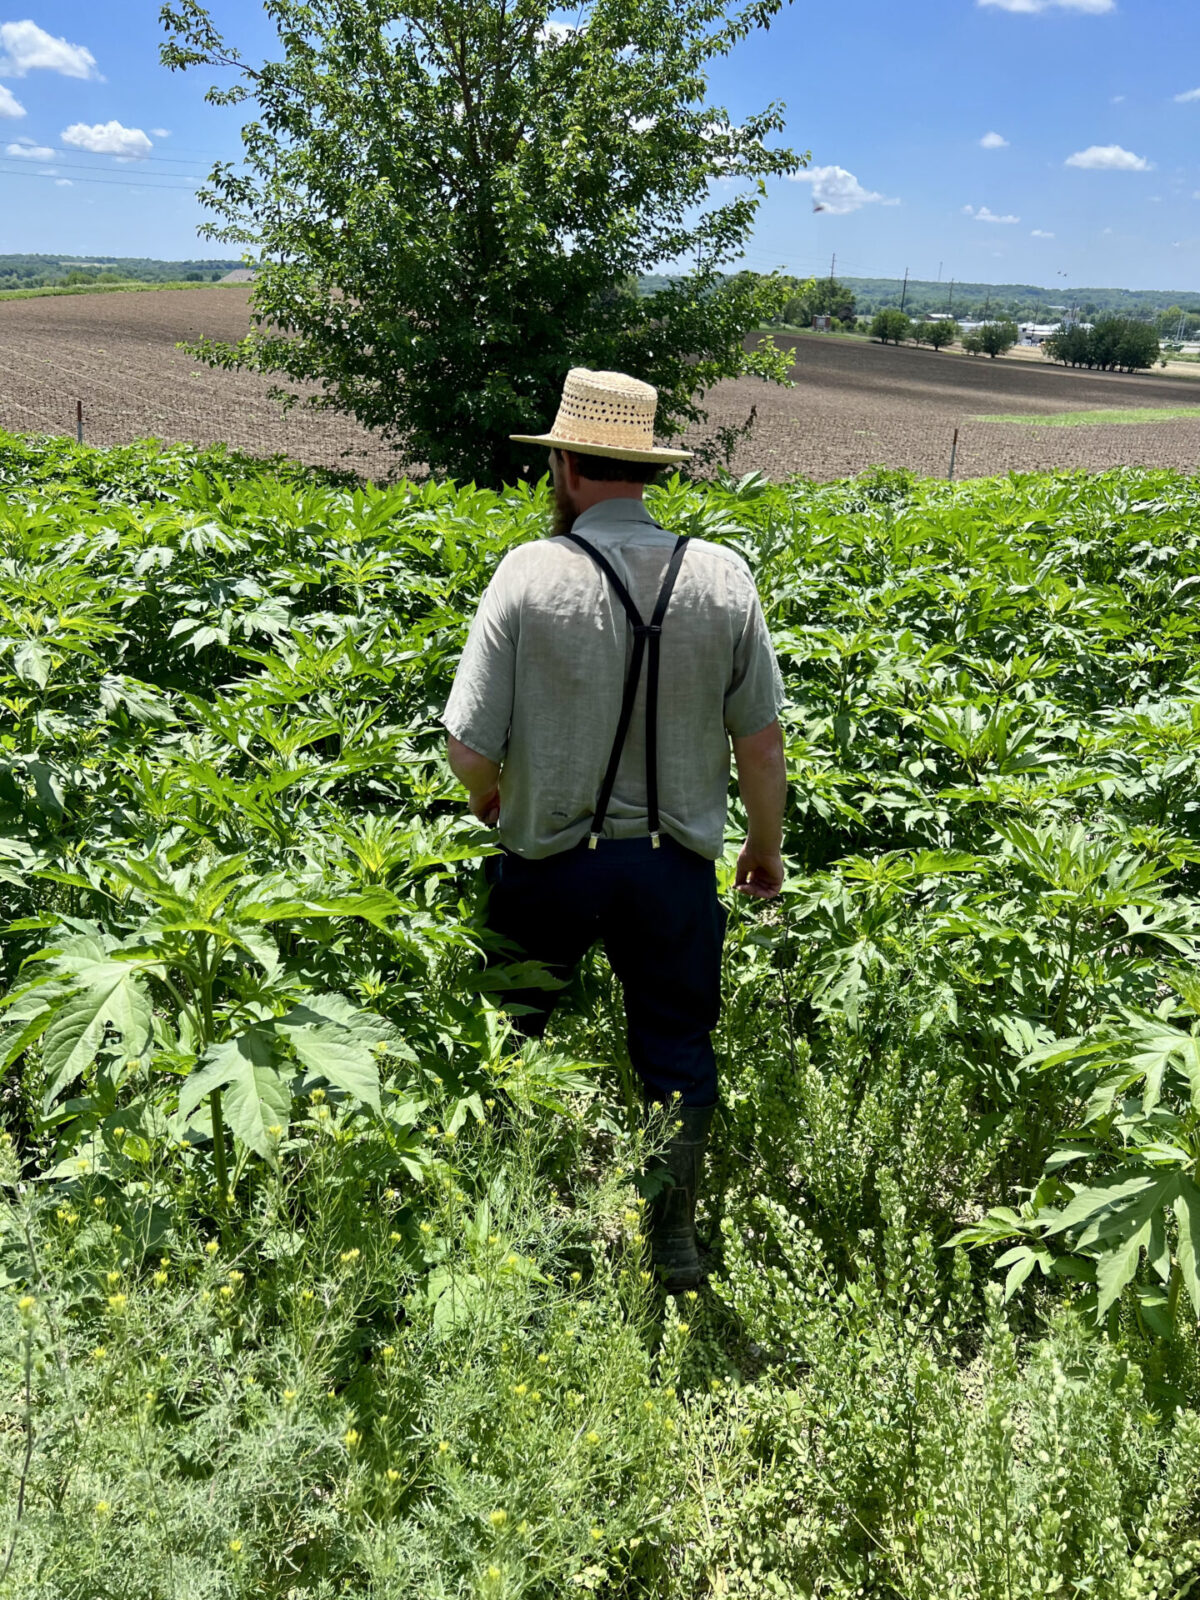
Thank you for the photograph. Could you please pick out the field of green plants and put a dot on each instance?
(317, 1281)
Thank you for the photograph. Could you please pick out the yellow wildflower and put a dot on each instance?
(116, 1302)
(349, 1255)
(211, 1248)
(498, 1517)
(593, 1438)
(160, 1279)
(26, 1304)
(103, 1509)
(289, 1395)
(392, 1475)
(351, 1438)
(235, 1545)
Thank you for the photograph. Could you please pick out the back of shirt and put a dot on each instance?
(540, 683)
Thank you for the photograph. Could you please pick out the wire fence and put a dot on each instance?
(216, 407)
(99, 412)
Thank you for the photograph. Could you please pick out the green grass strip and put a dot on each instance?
(1090, 419)
(130, 287)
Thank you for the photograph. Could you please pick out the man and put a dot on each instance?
(609, 782)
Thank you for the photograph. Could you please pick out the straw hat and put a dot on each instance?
(605, 414)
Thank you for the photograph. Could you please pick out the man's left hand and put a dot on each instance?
(486, 806)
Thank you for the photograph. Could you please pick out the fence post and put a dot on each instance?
(953, 454)
(79, 422)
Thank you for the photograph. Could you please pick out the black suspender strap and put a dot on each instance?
(643, 633)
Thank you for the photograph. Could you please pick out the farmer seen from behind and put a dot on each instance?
(608, 670)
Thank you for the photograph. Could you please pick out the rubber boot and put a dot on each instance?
(673, 1246)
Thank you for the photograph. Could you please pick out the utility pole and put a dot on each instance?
(904, 291)
(832, 264)
(939, 272)
(951, 296)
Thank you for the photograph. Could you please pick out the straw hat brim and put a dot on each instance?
(663, 458)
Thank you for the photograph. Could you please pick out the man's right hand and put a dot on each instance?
(758, 874)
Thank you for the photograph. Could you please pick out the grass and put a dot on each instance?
(102, 288)
(1091, 419)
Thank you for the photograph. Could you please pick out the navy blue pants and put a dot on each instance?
(662, 927)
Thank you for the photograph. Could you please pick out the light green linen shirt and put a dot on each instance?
(539, 685)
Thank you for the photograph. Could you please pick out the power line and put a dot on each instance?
(150, 182)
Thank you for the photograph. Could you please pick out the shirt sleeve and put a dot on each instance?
(479, 710)
(756, 694)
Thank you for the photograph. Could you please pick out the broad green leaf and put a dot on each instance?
(31, 663)
(337, 1041)
(1187, 1214)
(255, 1092)
(1113, 1208)
(109, 995)
(1116, 1267)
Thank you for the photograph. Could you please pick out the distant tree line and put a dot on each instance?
(48, 272)
(1174, 314)
(1113, 344)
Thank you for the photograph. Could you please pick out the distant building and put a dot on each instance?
(239, 275)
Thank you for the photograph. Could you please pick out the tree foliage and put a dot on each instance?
(891, 325)
(941, 332)
(451, 203)
(1114, 344)
(820, 297)
(991, 339)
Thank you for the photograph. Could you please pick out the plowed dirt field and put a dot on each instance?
(854, 404)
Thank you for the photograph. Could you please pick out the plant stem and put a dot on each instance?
(218, 1133)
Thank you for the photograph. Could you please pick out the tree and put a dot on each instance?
(891, 324)
(1070, 344)
(997, 338)
(447, 201)
(939, 333)
(1114, 343)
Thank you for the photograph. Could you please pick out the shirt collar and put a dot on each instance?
(613, 516)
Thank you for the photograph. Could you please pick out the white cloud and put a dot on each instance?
(1094, 8)
(1040, 233)
(554, 32)
(837, 191)
(1190, 94)
(108, 139)
(1108, 158)
(1117, 100)
(984, 214)
(28, 48)
(31, 151)
(994, 141)
(10, 106)
(63, 183)
(161, 133)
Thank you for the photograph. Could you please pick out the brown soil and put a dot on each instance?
(857, 404)
(854, 404)
(116, 353)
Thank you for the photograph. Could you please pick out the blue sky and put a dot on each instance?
(1091, 173)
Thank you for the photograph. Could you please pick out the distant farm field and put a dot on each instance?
(854, 404)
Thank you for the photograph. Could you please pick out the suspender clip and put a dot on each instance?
(592, 841)
(654, 841)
